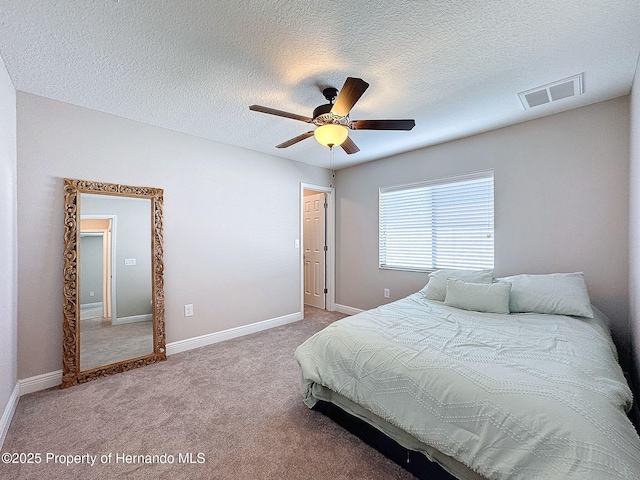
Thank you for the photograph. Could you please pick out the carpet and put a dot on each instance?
(231, 410)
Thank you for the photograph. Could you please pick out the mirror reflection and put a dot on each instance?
(115, 279)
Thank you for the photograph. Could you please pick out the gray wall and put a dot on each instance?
(561, 205)
(231, 219)
(90, 269)
(8, 241)
(634, 226)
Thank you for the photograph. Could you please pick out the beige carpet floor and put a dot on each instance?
(234, 406)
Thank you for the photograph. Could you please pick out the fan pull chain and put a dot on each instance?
(332, 164)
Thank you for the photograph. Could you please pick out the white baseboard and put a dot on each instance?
(133, 319)
(91, 305)
(347, 310)
(215, 337)
(52, 379)
(40, 382)
(7, 415)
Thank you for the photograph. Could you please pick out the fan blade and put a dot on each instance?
(351, 92)
(297, 139)
(280, 113)
(349, 146)
(383, 124)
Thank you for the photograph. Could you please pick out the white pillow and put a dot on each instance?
(436, 288)
(480, 297)
(554, 293)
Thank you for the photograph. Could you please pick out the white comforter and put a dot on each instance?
(511, 396)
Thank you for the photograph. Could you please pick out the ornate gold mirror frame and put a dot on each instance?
(71, 372)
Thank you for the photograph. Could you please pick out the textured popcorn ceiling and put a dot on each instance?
(195, 66)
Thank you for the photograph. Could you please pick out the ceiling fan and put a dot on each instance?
(332, 119)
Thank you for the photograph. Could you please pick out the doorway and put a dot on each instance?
(317, 250)
(97, 263)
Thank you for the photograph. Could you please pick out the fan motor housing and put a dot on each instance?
(322, 109)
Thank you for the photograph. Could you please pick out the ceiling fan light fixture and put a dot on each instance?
(331, 135)
(332, 119)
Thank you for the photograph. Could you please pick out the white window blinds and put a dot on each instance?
(446, 223)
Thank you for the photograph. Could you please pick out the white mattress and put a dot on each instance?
(510, 396)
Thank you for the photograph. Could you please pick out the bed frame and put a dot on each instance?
(412, 461)
(634, 414)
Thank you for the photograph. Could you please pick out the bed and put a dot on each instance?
(532, 392)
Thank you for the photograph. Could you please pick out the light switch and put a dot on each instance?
(188, 310)
(296, 243)
(129, 261)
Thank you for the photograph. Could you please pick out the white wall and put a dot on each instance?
(634, 225)
(561, 205)
(8, 246)
(231, 219)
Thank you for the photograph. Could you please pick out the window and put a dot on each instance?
(446, 223)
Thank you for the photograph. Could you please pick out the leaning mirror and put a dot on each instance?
(113, 280)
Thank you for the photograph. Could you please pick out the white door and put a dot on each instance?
(314, 250)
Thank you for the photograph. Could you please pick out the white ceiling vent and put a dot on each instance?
(567, 87)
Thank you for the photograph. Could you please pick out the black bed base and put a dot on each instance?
(412, 461)
(634, 413)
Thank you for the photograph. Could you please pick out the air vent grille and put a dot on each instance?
(565, 88)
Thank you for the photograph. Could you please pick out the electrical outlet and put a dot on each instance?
(387, 293)
(188, 310)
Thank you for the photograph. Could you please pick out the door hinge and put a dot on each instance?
(326, 248)
(326, 291)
